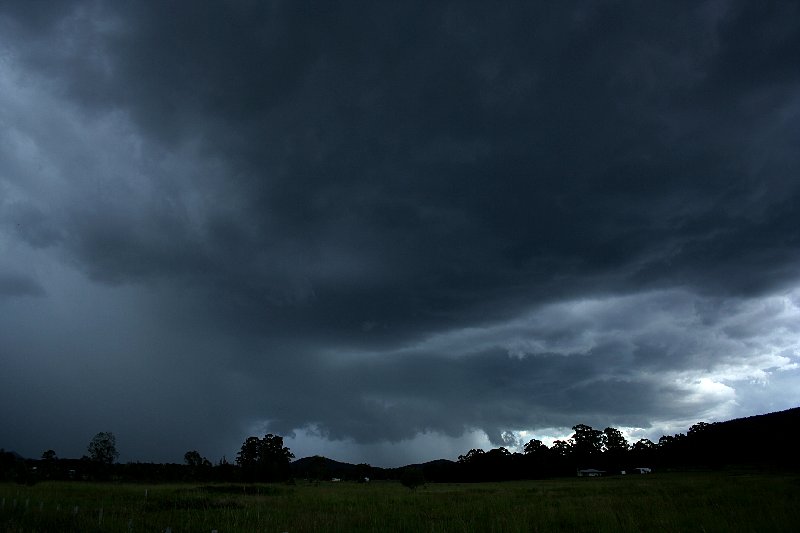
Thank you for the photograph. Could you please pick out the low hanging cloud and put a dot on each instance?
(636, 361)
(373, 224)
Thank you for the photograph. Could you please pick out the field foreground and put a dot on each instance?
(659, 502)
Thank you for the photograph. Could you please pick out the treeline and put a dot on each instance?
(763, 441)
(259, 460)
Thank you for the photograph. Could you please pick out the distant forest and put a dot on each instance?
(764, 441)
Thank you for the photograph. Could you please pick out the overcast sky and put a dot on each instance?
(394, 231)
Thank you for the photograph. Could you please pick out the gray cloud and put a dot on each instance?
(16, 284)
(375, 222)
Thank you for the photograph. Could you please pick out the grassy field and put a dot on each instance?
(659, 502)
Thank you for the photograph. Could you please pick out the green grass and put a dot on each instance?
(659, 502)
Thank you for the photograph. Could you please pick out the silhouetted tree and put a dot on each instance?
(613, 441)
(643, 453)
(47, 466)
(562, 460)
(471, 465)
(615, 448)
(536, 459)
(707, 446)
(588, 444)
(562, 449)
(698, 429)
(673, 450)
(667, 441)
(643, 445)
(494, 465)
(499, 464)
(224, 470)
(102, 455)
(471, 456)
(534, 447)
(49, 455)
(103, 448)
(194, 459)
(498, 452)
(264, 459)
(199, 466)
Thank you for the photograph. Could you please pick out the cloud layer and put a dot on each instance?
(377, 223)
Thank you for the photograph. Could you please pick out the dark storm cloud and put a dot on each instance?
(622, 147)
(16, 284)
(421, 217)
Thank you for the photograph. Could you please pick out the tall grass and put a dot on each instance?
(660, 502)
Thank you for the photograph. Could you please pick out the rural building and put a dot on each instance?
(590, 472)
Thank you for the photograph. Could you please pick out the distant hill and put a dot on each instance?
(768, 439)
(436, 470)
(323, 468)
(10, 463)
(318, 467)
(436, 463)
(781, 424)
(10, 455)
